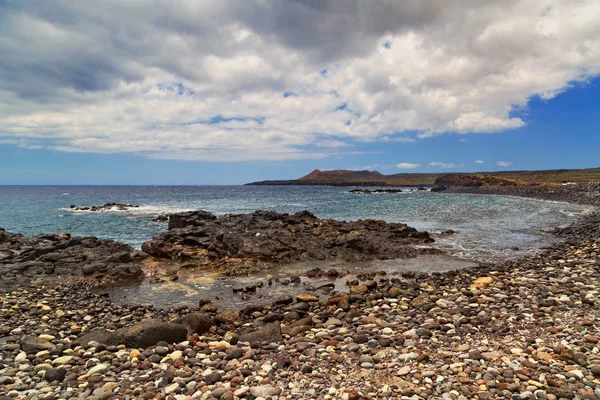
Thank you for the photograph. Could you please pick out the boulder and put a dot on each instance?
(228, 317)
(55, 374)
(98, 335)
(269, 333)
(33, 344)
(195, 323)
(140, 335)
(148, 333)
(243, 240)
(190, 218)
(37, 257)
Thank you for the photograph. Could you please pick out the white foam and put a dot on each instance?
(150, 210)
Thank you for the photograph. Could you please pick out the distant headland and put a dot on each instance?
(501, 178)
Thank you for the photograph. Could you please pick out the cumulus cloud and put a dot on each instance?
(232, 80)
(405, 165)
(445, 165)
(504, 163)
(479, 162)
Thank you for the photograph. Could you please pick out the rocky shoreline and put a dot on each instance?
(241, 243)
(524, 329)
(581, 193)
(43, 258)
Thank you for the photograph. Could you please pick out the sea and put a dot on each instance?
(487, 228)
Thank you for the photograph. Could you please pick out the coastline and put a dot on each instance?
(526, 328)
(582, 193)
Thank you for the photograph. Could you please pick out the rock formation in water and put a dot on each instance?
(376, 191)
(105, 207)
(270, 237)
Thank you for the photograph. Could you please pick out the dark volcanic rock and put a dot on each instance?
(148, 333)
(140, 335)
(195, 323)
(105, 207)
(44, 256)
(270, 237)
(55, 374)
(269, 333)
(581, 193)
(376, 191)
(190, 218)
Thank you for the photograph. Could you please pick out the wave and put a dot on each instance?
(148, 210)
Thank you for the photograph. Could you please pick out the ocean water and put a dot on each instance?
(487, 227)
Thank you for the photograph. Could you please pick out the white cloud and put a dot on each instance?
(504, 163)
(479, 162)
(405, 165)
(373, 167)
(444, 165)
(22, 143)
(228, 80)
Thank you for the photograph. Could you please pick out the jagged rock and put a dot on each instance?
(36, 257)
(367, 191)
(105, 207)
(271, 237)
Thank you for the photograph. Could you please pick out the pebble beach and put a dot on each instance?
(522, 329)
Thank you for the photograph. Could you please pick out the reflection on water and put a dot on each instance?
(195, 285)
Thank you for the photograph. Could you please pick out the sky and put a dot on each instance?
(228, 92)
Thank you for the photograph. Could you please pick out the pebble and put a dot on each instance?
(528, 331)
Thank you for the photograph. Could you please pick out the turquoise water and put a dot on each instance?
(487, 227)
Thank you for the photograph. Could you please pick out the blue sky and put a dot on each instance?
(176, 99)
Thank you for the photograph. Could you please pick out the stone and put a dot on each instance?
(270, 333)
(98, 369)
(404, 370)
(55, 374)
(33, 344)
(228, 317)
(171, 388)
(263, 391)
(482, 282)
(95, 335)
(148, 333)
(62, 360)
(195, 323)
(360, 289)
(306, 298)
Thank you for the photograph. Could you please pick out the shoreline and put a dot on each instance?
(587, 194)
(525, 328)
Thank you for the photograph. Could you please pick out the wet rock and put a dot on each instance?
(268, 237)
(228, 317)
(306, 298)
